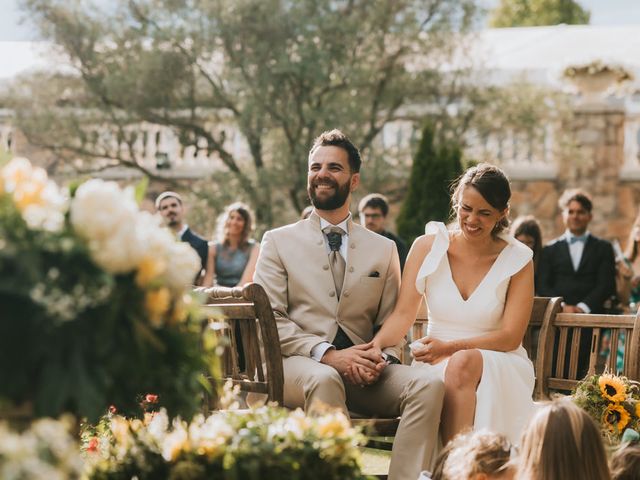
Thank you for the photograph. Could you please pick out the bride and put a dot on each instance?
(478, 285)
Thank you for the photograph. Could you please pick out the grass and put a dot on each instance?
(375, 462)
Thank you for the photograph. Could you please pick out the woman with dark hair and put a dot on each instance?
(478, 285)
(526, 229)
(232, 258)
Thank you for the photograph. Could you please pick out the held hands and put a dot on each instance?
(431, 350)
(358, 365)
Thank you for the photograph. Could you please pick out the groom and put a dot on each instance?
(331, 282)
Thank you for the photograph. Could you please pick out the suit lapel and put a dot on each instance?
(318, 259)
(587, 251)
(565, 254)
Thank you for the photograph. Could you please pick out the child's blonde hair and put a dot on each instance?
(562, 442)
(474, 453)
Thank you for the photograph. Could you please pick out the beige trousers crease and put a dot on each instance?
(401, 390)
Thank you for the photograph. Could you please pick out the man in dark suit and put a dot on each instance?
(169, 204)
(373, 211)
(578, 266)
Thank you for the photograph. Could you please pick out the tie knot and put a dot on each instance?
(334, 235)
(581, 238)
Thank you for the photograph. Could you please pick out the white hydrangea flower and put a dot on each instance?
(102, 209)
(118, 253)
(182, 266)
(158, 425)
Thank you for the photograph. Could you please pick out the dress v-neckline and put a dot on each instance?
(486, 275)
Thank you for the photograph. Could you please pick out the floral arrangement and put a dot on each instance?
(46, 450)
(597, 67)
(96, 305)
(267, 442)
(612, 401)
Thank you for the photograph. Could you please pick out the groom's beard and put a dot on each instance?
(332, 202)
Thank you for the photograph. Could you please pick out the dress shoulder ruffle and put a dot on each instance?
(434, 257)
(516, 258)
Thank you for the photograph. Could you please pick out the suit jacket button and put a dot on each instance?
(351, 269)
(332, 293)
(353, 245)
(325, 267)
(346, 294)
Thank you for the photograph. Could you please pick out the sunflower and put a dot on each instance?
(612, 388)
(615, 418)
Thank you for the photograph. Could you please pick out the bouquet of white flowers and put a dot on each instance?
(96, 306)
(268, 442)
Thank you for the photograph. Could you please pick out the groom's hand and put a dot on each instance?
(362, 356)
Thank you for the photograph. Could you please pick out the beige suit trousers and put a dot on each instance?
(400, 390)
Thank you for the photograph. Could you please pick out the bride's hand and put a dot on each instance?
(432, 351)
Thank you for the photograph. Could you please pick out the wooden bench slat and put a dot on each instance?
(613, 351)
(562, 384)
(576, 335)
(564, 333)
(592, 321)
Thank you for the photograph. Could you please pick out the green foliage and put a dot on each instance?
(268, 75)
(532, 13)
(435, 166)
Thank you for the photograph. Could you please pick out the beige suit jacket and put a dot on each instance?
(293, 267)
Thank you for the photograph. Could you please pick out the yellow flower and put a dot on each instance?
(638, 409)
(615, 418)
(29, 193)
(157, 303)
(16, 171)
(181, 309)
(612, 388)
(148, 269)
(332, 426)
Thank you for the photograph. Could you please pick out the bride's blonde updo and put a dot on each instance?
(491, 183)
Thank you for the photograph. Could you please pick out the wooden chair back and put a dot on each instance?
(249, 307)
(559, 347)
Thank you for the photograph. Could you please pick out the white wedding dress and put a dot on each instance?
(504, 395)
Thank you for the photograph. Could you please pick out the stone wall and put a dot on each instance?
(594, 162)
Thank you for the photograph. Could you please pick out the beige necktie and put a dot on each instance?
(334, 235)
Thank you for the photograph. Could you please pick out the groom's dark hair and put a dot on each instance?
(335, 138)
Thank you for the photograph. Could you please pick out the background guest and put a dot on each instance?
(232, 256)
(633, 259)
(170, 206)
(625, 463)
(526, 229)
(578, 267)
(562, 442)
(373, 210)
